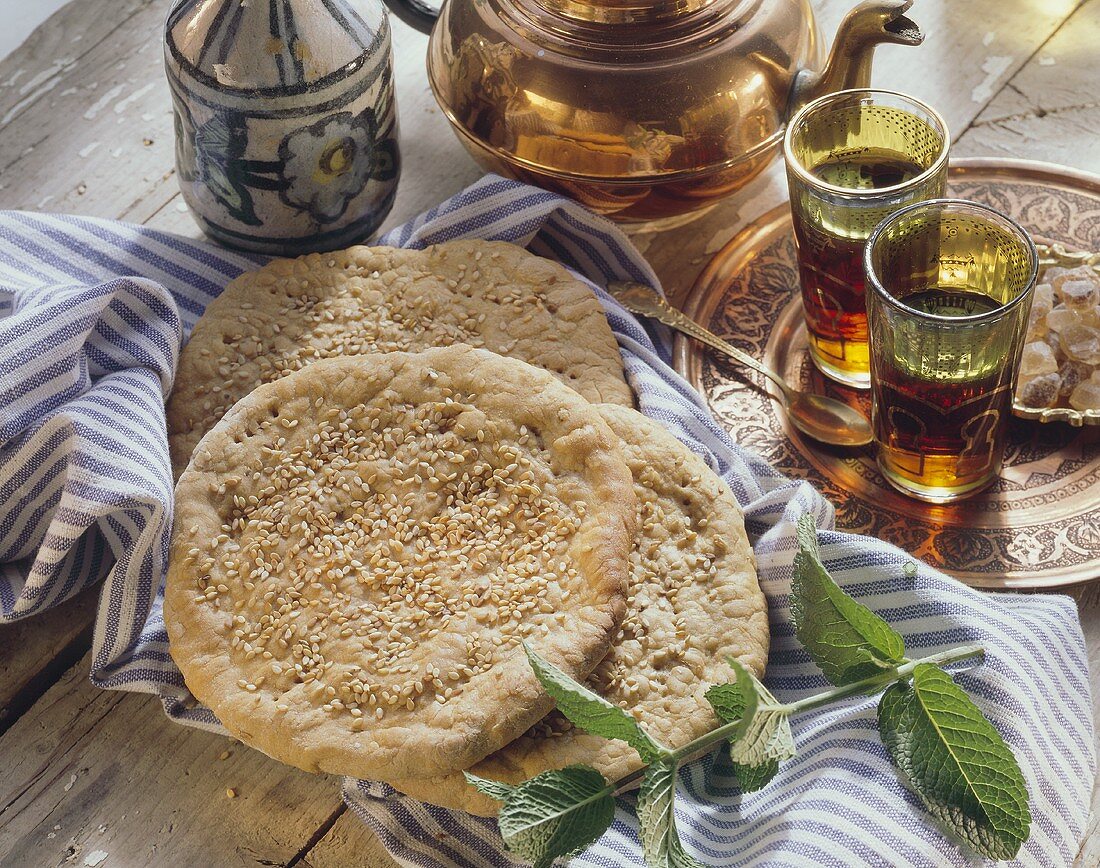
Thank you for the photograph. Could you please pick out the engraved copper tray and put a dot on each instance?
(1037, 527)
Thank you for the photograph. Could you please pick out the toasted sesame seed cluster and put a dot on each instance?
(361, 546)
(692, 600)
(276, 320)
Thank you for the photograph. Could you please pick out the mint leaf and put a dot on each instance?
(845, 639)
(768, 739)
(661, 846)
(764, 737)
(590, 711)
(556, 813)
(753, 778)
(493, 789)
(956, 761)
(733, 702)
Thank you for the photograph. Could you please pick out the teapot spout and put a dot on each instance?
(869, 25)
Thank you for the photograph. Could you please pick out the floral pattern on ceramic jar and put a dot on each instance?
(284, 144)
(325, 165)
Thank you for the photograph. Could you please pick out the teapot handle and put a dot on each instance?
(416, 13)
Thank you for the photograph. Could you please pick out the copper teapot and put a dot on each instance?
(649, 111)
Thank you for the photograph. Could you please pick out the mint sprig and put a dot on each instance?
(954, 759)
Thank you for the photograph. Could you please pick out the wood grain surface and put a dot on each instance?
(105, 771)
(86, 127)
(34, 652)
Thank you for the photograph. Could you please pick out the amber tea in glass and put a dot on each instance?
(949, 287)
(853, 157)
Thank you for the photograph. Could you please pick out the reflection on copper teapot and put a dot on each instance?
(649, 111)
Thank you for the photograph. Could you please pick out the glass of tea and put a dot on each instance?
(853, 157)
(949, 288)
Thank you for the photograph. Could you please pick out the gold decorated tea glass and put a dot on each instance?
(853, 158)
(949, 289)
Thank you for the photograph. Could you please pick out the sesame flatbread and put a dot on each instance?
(273, 321)
(692, 600)
(360, 547)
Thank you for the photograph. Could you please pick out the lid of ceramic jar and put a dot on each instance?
(269, 46)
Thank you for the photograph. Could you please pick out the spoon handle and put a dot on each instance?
(640, 299)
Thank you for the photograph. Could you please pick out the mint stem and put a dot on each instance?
(867, 685)
(885, 678)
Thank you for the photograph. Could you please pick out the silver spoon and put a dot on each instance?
(824, 419)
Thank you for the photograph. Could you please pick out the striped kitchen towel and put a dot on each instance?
(92, 317)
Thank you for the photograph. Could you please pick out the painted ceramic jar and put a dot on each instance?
(286, 128)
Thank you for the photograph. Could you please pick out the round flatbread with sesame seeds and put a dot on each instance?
(360, 547)
(692, 601)
(491, 294)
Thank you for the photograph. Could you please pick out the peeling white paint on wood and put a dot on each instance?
(49, 72)
(101, 103)
(993, 67)
(36, 87)
(122, 105)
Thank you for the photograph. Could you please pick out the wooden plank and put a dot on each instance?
(1050, 108)
(36, 70)
(34, 652)
(348, 842)
(90, 771)
(95, 138)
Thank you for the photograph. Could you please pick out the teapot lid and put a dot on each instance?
(269, 47)
(624, 11)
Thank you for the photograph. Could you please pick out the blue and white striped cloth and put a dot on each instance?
(92, 317)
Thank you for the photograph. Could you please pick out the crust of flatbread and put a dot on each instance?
(278, 319)
(692, 601)
(381, 532)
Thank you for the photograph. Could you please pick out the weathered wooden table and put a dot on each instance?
(88, 777)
